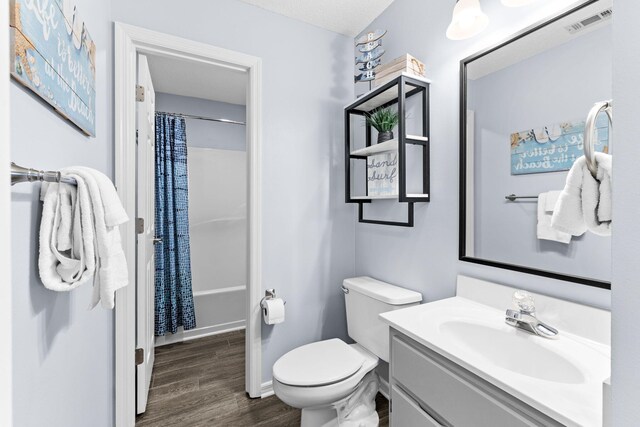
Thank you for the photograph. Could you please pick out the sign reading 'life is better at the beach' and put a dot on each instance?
(555, 147)
(54, 56)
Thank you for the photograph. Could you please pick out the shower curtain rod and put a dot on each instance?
(210, 119)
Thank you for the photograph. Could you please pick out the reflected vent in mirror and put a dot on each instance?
(588, 22)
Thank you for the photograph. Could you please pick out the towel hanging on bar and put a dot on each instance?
(80, 237)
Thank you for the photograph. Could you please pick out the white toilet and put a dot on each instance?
(334, 383)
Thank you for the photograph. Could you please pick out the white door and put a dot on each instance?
(145, 208)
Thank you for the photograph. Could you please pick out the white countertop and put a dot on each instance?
(574, 398)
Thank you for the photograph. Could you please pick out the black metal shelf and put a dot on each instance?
(396, 91)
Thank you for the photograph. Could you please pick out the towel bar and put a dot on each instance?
(513, 197)
(22, 174)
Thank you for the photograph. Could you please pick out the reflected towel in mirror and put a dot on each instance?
(585, 202)
(546, 206)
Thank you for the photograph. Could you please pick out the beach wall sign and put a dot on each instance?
(53, 54)
(555, 147)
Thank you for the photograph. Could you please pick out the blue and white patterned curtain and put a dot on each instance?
(174, 296)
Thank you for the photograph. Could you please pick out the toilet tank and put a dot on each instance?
(365, 299)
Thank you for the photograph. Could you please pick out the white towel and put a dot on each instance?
(93, 233)
(546, 205)
(585, 202)
(63, 268)
(605, 202)
(551, 200)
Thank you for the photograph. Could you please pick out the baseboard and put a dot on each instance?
(193, 334)
(384, 387)
(266, 389)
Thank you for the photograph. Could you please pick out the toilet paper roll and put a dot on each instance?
(273, 311)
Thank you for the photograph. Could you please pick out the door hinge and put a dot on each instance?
(139, 356)
(139, 225)
(137, 136)
(139, 93)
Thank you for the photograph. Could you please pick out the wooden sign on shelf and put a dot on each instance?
(53, 54)
(382, 174)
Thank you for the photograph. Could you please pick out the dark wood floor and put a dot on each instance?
(201, 383)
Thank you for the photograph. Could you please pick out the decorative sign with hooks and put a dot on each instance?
(555, 147)
(53, 54)
(370, 47)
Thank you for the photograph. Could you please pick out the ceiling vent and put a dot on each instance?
(589, 22)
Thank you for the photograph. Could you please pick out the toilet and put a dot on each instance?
(335, 383)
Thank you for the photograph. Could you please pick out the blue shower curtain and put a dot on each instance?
(174, 296)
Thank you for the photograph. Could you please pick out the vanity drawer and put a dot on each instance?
(405, 412)
(455, 395)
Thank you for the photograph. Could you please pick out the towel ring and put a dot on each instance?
(589, 130)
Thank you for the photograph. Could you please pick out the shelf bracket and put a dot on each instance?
(408, 223)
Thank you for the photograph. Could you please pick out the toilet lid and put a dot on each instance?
(318, 363)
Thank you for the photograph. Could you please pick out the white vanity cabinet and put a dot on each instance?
(429, 390)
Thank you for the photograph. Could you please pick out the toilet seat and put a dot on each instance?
(318, 364)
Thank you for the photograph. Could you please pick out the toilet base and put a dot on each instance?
(319, 417)
(356, 410)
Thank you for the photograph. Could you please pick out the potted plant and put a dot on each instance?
(384, 120)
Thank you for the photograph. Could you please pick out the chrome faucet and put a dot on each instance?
(525, 316)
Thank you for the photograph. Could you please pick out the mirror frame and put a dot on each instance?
(462, 236)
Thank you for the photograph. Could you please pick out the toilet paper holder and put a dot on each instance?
(268, 294)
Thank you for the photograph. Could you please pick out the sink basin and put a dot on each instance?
(513, 350)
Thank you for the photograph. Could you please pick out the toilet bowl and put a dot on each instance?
(321, 373)
(335, 383)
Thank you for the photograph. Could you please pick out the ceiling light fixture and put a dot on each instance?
(516, 3)
(468, 20)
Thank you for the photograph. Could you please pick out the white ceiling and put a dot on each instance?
(348, 17)
(187, 78)
(177, 77)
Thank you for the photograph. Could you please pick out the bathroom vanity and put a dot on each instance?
(428, 389)
(455, 362)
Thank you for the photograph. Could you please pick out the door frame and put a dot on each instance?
(129, 41)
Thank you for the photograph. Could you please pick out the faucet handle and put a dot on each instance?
(524, 301)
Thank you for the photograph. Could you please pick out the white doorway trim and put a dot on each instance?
(129, 41)
(6, 367)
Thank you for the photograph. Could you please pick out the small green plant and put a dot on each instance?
(383, 119)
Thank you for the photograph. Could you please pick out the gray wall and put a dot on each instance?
(425, 258)
(207, 134)
(626, 205)
(308, 244)
(63, 362)
(558, 85)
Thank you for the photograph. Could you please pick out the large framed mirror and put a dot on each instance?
(524, 103)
